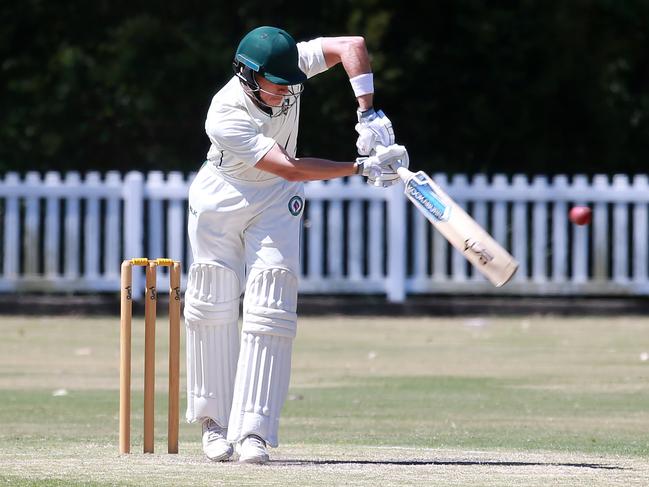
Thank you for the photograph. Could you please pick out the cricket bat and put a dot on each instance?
(462, 231)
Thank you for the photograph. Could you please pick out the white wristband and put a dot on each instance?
(363, 84)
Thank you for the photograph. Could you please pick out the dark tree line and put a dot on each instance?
(471, 85)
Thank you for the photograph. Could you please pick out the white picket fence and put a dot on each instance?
(65, 233)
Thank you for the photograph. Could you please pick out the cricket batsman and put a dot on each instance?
(245, 208)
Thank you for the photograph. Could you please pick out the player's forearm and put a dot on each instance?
(278, 162)
(312, 168)
(355, 58)
(356, 61)
(352, 53)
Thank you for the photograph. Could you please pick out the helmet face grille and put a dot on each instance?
(250, 85)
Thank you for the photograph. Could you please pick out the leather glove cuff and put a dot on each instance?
(365, 116)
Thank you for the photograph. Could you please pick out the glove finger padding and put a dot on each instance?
(374, 129)
(366, 141)
(381, 168)
(395, 155)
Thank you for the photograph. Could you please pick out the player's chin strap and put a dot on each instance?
(252, 88)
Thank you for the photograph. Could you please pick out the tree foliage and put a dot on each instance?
(471, 85)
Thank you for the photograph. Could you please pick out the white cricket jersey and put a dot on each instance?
(241, 133)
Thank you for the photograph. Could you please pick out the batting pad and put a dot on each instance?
(264, 368)
(211, 315)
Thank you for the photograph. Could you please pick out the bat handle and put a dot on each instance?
(404, 174)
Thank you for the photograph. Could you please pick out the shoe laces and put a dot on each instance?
(214, 431)
(256, 440)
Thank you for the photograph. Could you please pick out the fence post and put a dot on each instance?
(601, 232)
(397, 251)
(72, 226)
(335, 224)
(559, 237)
(11, 254)
(355, 238)
(53, 231)
(620, 229)
(176, 229)
(540, 229)
(91, 227)
(133, 194)
(155, 184)
(519, 227)
(639, 271)
(31, 225)
(114, 228)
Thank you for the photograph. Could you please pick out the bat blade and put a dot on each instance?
(462, 231)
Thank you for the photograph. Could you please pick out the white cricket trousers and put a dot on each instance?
(244, 236)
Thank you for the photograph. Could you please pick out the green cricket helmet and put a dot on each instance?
(272, 53)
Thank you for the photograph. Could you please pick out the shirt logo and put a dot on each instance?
(295, 205)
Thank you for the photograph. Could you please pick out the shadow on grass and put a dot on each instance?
(462, 463)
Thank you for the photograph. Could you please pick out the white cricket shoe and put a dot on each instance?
(252, 449)
(215, 445)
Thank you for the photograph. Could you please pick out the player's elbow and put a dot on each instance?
(358, 41)
(353, 44)
(337, 49)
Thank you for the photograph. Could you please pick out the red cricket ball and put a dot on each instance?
(580, 215)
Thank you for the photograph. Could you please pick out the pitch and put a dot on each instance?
(490, 401)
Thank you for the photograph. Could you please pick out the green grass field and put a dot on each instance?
(530, 401)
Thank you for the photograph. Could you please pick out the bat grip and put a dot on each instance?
(404, 174)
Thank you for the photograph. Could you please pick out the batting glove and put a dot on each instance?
(380, 169)
(374, 129)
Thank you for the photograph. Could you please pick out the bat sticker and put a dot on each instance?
(477, 248)
(428, 200)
